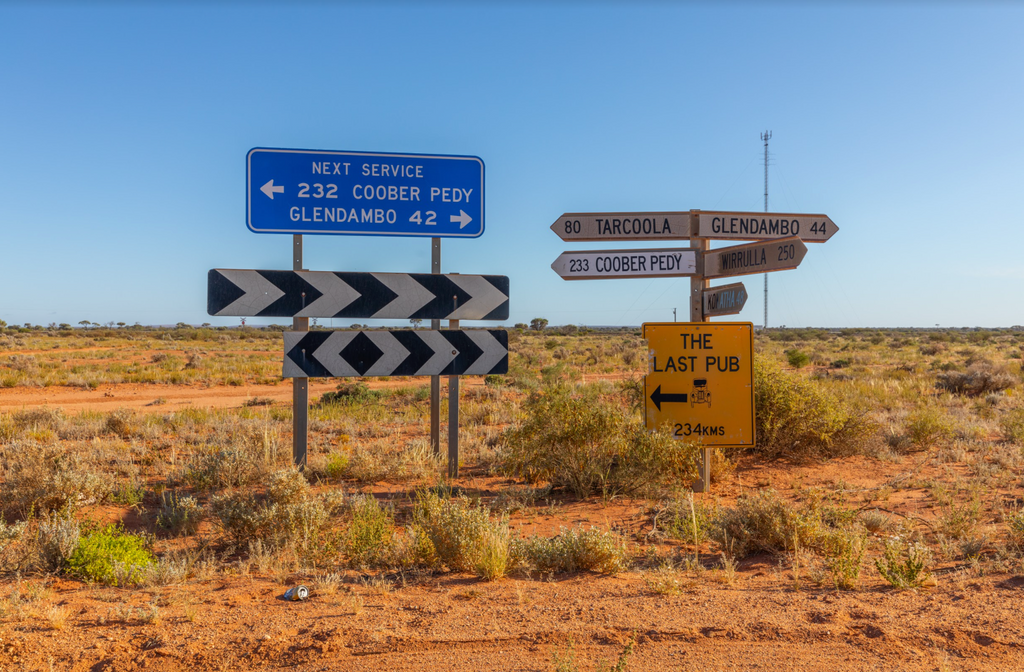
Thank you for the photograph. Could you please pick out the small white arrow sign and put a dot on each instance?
(462, 218)
(269, 189)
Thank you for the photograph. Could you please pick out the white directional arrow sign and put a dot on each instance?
(425, 296)
(774, 255)
(269, 189)
(462, 218)
(725, 299)
(623, 226)
(326, 354)
(601, 264)
(765, 226)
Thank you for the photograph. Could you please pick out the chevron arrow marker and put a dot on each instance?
(401, 296)
(324, 354)
(485, 296)
(257, 293)
(411, 295)
(336, 294)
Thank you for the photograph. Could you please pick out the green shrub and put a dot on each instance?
(797, 359)
(1012, 426)
(904, 564)
(576, 549)
(111, 556)
(764, 522)
(846, 555)
(927, 425)
(463, 536)
(287, 515)
(685, 519)
(350, 393)
(369, 538)
(797, 418)
(129, 492)
(1015, 525)
(572, 438)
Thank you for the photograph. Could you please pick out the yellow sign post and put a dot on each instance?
(700, 381)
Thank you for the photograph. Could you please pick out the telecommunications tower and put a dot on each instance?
(765, 137)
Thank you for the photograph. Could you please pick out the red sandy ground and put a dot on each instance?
(762, 621)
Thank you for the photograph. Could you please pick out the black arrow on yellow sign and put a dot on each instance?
(657, 397)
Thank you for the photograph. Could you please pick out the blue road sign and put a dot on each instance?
(364, 193)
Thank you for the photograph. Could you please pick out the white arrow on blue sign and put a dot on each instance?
(364, 193)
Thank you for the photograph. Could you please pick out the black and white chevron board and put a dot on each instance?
(245, 293)
(326, 354)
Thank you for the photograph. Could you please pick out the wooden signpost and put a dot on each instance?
(724, 300)
(772, 255)
(609, 264)
(597, 226)
(677, 395)
(764, 226)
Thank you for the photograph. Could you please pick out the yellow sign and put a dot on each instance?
(700, 381)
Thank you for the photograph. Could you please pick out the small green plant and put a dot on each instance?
(130, 493)
(904, 564)
(181, 514)
(797, 359)
(111, 556)
(685, 519)
(928, 425)
(1015, 525)
(464, 536)
(369, 538)
(1012, 426)
(847, 555)
(576, 549)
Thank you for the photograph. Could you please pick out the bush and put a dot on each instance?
(369, 538)
(927, 425)
(1012, 426)
(463, 536)
(797, 359)
(764, 522)
(576, 549)
(684, 519)
(111, 556)
(797, 418)
(846, 555)
(181, 514)
(57, 538)
(287, 515)
(978, 380)
(50, 478)
(572, 438)
(904, 564)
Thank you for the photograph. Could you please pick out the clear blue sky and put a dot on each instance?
(124, 130)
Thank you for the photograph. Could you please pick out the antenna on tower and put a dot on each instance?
(765, 137)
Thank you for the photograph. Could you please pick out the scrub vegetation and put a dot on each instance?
(156, 495)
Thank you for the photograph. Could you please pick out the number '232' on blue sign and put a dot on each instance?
(364, 193)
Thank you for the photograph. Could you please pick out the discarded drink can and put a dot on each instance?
(296, 593)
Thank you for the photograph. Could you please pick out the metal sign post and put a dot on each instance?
(300, 386)
(435, 381)
(453, 418)
(698, 285)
